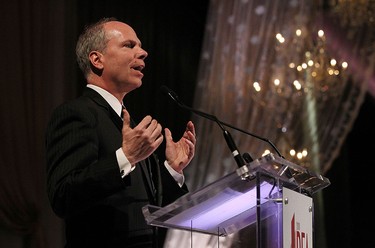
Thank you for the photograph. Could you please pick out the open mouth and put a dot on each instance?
(138, 68)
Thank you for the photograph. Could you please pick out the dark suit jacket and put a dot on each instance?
(85, 187)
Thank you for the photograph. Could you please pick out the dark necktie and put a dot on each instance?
(146, 170)
(122, 111)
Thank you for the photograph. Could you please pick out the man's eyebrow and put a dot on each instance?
(134, 41)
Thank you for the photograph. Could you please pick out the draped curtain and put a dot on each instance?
(266, 67)
(241, 48)
(34, 70)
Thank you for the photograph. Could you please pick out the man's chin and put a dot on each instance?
(139, 84)
(134, 86)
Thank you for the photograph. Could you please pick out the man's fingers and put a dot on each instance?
(145, 122)
(167, 134)
(126, 118)
(190, 127)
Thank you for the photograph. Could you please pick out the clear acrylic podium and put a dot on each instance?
(270, 193)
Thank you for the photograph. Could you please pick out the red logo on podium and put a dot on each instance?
(299, 238)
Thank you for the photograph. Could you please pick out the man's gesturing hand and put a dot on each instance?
(180, 153)
(141, 141)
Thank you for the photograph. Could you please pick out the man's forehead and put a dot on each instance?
(117, 29)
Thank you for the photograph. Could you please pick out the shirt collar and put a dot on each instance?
(111, 99)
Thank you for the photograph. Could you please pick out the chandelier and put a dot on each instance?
(305, 77)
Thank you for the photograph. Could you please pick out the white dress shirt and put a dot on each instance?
(124, 164)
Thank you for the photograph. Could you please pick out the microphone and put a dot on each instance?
(247, 156)
(228, 138)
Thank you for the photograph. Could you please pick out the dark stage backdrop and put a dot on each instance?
(348, 211)
(39, 72)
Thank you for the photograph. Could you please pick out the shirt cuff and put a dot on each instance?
(179, 178)
(123, 163)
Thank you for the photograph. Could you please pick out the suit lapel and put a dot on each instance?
(144, 165)
(100, 101)
(147, 177)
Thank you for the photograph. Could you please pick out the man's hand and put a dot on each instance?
(140, 142)
(180, 153)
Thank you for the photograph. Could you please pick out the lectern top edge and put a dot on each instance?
(286, 171)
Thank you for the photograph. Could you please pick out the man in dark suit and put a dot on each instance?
(101, 167)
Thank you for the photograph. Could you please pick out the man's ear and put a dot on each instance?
(96, 60)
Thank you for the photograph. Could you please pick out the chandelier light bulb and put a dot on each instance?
(256, 86)
(333, 62)
(320, 33)
(292, 152)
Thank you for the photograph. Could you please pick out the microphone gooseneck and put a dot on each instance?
(171, 94)
(175, 98)
(228, 138)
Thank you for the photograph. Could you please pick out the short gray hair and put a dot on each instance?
(93, 38)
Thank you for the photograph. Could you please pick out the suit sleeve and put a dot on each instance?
(171, 190)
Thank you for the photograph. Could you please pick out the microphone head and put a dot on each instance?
(170, 93)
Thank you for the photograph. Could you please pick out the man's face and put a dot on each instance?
(123, 58)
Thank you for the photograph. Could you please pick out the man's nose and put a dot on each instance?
(142, 54)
